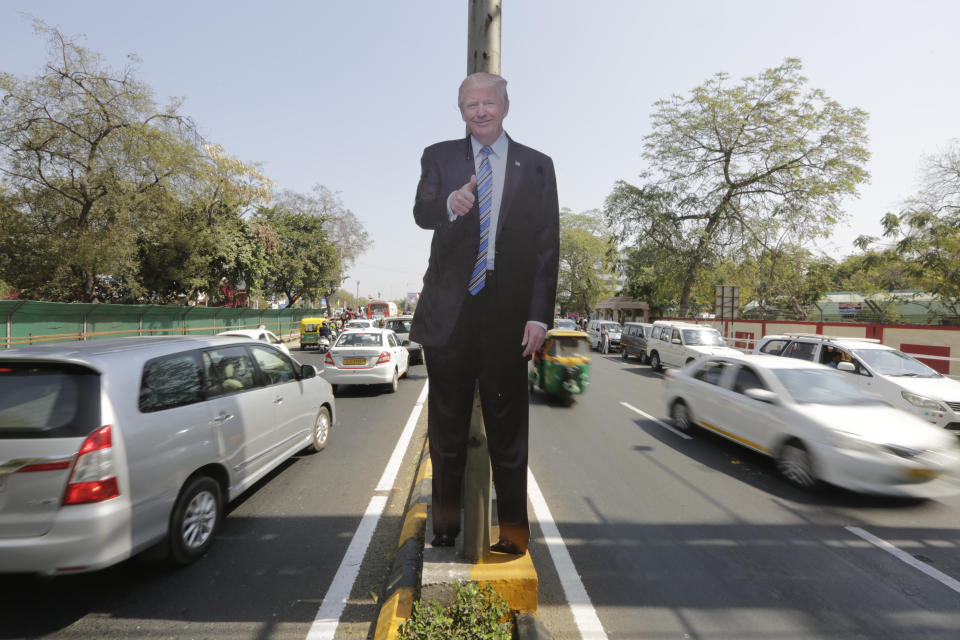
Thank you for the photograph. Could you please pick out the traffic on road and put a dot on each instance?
(729, 496)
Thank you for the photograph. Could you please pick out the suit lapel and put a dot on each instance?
(510, 182)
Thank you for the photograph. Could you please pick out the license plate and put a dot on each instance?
(354, 361)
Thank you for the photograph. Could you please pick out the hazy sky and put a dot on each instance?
(347, 94)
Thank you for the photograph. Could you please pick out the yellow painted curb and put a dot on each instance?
(395, 611)
(414, 523)
(515, 578)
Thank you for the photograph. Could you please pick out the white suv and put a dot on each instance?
(901, 380)
(678, 343)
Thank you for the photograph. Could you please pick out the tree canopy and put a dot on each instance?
(105, 195)
(738, 171)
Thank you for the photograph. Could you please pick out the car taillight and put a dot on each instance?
(329, 359)
(93, 478)
(384, 357)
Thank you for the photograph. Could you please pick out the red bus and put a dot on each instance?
(380, 309)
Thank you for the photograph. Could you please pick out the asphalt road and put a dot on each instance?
(701, 539)
(271, 563)
(672, 538)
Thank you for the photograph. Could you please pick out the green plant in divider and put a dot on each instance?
(476, 615)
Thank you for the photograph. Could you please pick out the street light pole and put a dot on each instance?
(483, 54)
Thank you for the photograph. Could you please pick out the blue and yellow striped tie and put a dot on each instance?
(485, 195)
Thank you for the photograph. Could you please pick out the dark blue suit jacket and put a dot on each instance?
(527, 247)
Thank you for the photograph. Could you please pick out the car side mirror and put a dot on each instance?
(307, 371)
(846, 366)
(405, 343)
(676, 341)
(762, 395)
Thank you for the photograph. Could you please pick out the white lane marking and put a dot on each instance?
(328, 615)
(939, 576)
(584, 615)
(659, 422)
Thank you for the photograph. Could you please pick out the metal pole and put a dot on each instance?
(483, 54)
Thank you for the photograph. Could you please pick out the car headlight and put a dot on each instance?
(922, 401)
(853, 442)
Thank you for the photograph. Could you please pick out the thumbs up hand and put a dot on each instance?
(461, 200)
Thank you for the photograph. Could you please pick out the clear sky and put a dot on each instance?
(347, 94)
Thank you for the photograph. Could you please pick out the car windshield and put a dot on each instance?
(565, 323)
(358, 324)
(568, 346)
(612, 326)
(360, 340)
(894, 363)
(400, 326)
(704, 337)
(818, 386)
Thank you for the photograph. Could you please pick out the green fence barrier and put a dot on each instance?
(30, 322)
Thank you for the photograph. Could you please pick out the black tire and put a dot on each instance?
(655, 362)
(680, 416)
(796, 465)
(321, 430)
(689, 360)
(195, 520)
(394, 384)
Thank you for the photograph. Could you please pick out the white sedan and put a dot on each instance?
(366, 356)
(818, 425)
(360, 324)
(258, 334)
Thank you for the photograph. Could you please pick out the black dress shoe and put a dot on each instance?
(443, 540)
(505, 546)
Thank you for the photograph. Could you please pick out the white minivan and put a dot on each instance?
(883, 371)
(111, 446)
(676, 344)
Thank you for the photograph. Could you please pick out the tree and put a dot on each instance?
(204, 235)
(83, 149)
(736, 170)
(343, 229)
(928, 229)
(300, 262)
(587, 262)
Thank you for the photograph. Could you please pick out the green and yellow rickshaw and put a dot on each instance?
(562, 365)
(310, 333)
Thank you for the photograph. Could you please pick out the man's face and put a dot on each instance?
(484, 112)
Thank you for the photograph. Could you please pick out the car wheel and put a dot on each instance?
(680, 415)
(795, 464)
(195, 519)
(321, 429)
(392, 386)
(655, 361)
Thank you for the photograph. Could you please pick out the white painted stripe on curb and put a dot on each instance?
(903, 556)
(659, 422)
(584, 615)
(327, 620)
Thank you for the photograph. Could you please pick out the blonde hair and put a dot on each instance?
(483, 80)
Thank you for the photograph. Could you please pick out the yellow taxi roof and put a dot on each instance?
(566, 333)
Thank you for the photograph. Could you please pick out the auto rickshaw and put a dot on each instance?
(561, 367)
(310, 333)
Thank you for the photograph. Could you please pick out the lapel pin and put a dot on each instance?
(516, 162)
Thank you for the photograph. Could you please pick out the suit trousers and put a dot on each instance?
(478, 352)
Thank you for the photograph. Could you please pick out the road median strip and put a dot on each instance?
(433, 573)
